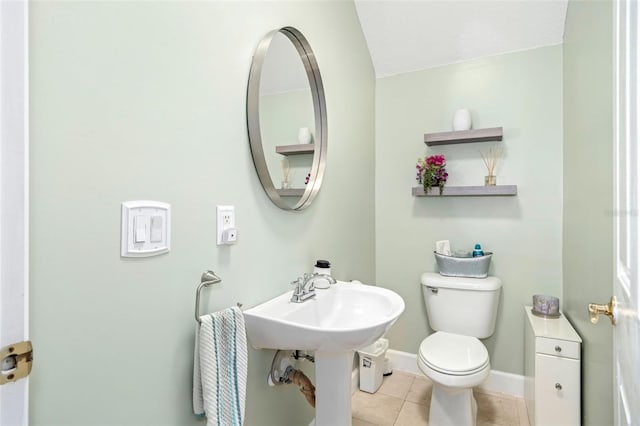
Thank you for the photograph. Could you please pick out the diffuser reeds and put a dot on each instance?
(491, 159)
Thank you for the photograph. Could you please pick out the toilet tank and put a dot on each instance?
(466, 306)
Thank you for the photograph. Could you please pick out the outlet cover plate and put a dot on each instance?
(226, 219)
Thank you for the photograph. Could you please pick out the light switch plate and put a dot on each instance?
(145, 228)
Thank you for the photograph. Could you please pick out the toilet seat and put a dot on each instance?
(453, 354)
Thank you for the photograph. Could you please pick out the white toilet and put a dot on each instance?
(460, 311)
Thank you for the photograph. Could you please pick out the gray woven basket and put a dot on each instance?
(469, 267)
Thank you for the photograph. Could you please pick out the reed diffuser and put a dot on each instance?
(285, 173)
(491, 161)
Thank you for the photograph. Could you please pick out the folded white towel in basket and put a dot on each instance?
(220, 368)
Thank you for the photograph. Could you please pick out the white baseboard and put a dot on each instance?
(507, 383)
(404, 361)
(498, 381)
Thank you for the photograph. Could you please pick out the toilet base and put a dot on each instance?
(452, 406)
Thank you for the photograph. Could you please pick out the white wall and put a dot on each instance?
(522, 92)
(146, 100)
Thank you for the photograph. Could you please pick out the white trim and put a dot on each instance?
(626, 280)
(14, 196)
(507, 383)
(404, 361)
(498, 381)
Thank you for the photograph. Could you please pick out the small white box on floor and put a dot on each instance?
(372, 365)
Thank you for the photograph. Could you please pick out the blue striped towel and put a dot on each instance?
(220, 368)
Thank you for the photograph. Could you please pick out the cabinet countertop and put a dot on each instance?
(553, 328)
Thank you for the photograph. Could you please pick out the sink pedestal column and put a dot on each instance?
(333, 388)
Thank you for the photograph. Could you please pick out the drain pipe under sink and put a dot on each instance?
(282, 372)
(297, 377)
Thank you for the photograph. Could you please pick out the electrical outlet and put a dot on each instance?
(226, 220)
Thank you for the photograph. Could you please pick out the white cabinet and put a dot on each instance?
(552, 371)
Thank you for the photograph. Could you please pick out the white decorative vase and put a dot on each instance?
(304, 135)
(462, 120)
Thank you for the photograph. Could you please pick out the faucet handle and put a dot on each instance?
(298, 283)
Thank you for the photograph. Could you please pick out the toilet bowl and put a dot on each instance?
(454, 360)
(461, 311)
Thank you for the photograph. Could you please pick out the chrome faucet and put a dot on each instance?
(305, 288)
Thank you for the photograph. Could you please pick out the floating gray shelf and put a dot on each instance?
(467, 191)
(297, 149)
(291, 192)
(463, 136)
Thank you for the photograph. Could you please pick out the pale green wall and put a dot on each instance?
(521, 92)
(588, 193)
(146, 100)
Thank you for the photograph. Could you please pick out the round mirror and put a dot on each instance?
(287, 119)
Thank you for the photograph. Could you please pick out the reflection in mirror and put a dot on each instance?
(286, 117)
(286, 109)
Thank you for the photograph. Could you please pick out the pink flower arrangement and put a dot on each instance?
(430, 172)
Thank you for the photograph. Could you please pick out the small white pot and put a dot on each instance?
(304, 135)
(462, 120)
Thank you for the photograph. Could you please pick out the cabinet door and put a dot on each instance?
(557, 391)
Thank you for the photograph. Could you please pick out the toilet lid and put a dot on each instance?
(453, 353)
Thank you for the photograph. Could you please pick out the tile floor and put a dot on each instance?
(403, 400)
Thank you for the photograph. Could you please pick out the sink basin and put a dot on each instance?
(342, 318)
(333, 324)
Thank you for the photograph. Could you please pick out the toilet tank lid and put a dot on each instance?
(433, 279)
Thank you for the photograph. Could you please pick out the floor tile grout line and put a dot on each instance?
(502, 399)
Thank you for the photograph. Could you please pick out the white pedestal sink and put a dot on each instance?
(333, 324)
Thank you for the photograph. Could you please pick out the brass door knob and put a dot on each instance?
(609, 309)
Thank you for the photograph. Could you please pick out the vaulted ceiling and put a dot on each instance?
(406, 36)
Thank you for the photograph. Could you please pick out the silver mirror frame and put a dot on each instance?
(320, 113)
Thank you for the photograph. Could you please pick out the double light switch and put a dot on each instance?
(148, 228)
(145, 228)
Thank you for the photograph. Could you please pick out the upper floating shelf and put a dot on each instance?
(467, 191)
(463, 136)
(297, 149)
